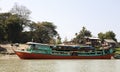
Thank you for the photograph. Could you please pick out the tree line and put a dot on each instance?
(14, 23)
(80, 37)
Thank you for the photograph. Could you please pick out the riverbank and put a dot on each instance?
(6, 49)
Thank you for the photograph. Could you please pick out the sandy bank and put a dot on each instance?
(8, 48)
(8, 53)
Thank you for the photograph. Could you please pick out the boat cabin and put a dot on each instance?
(72, 48)
(39, 48)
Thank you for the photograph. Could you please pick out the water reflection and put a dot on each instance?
(17, 65)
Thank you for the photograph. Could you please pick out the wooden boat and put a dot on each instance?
(44, 51)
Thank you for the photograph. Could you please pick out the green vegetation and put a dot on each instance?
(117, 50)
(10, 27)
(81, 35)
(107, 35)
(14, 23)
(43, 32)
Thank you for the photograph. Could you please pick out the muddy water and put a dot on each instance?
(14, 64)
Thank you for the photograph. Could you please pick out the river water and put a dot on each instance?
(14, 64)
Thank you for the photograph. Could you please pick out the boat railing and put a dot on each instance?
(91, 53)
(60, 52)
(100, 52)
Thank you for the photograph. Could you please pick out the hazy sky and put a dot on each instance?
(71, 15)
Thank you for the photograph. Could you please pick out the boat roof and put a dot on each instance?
(81, 46)
(110, 40)
(31, 43)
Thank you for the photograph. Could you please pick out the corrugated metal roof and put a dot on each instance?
(110, 40)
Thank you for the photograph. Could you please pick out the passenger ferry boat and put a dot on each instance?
(45, 51)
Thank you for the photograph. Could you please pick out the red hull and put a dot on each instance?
(25, 55)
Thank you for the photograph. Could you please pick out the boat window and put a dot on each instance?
(32, 46)
(44, 47)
